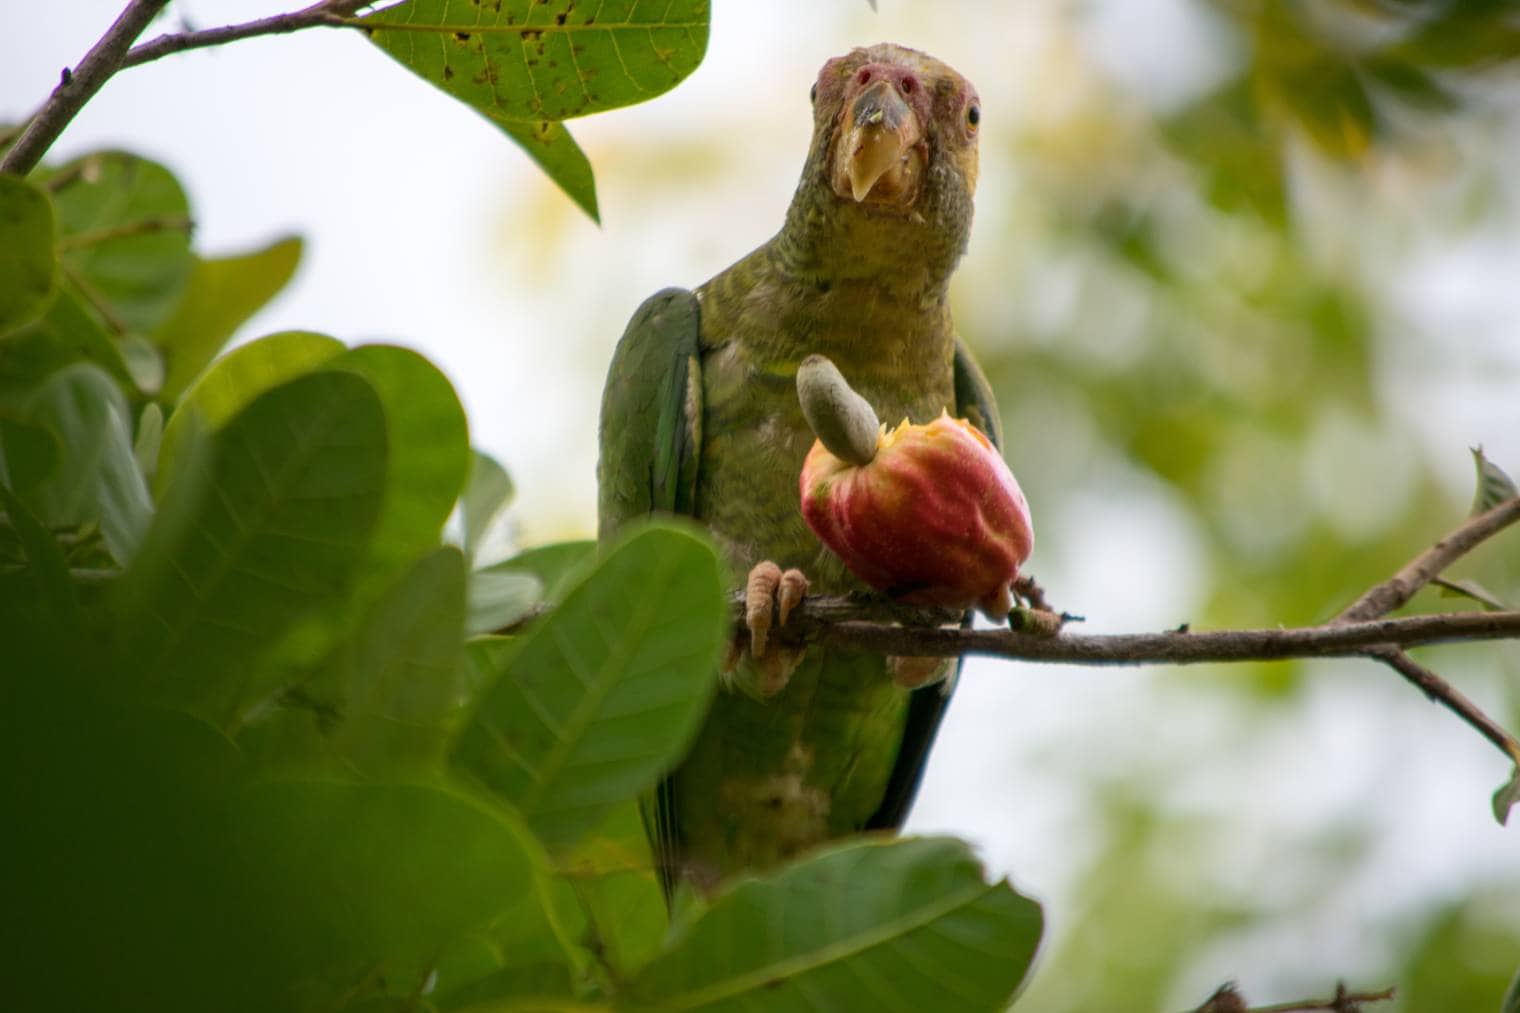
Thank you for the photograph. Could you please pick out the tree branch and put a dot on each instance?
(1398, 589)
(78, 87)
(1444, 693)
(852, 622)
(328, 13)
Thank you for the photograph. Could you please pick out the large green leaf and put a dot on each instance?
(124, 238)
(236, 379)
(528, 61)
(261, 529)
(93, 475)
(27, 262)
(402, 680)
(903, 925)
(604, 694)
(355, 877)
(612, 873)
(429, 447)
(223, 293)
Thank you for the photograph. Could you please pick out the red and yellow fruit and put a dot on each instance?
(934, 518)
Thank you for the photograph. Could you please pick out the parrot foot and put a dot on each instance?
(912, 673)
(770, 595)
(769, 587)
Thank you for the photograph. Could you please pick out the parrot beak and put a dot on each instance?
(879, 155)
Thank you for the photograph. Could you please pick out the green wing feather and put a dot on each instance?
(650, 438)
(650, 430)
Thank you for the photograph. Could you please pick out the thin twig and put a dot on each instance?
(1398, 589)
(1444, 693)
(79, 86)
(327, 14)
(1229, 1000)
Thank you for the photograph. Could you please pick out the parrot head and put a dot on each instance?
(893, 161)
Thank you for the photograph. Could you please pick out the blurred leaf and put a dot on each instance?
(905, 924)
(1506, 797)
(124, 238)
(550, 145)
(1511, 1002)
(556, 565)
(500, 599)
(264, 527)
(223, 293)
(505, 593)
(27, 261)
(1222, 137)
(612, 872)
(528, 61)
(353, 877)
(150, 433)
(1494, 486)
(428, 448)
(144, 363)
(606, 691)
(235, 380)
(402, 682)
(95, 478)
(487, 493)
(51, 594)
(67, 333)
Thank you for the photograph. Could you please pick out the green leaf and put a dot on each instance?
(429, 446)
(896, 925)
(1472, 590)
(28, 264)
(402, 682)
(530, 60)
(501, 599)
(45, 572)
(1494, 486)
(95, 478)
(260, 530)
(605, 693)
(549, 144)
(557, 565)
(67, 333)
(353, 877)
(487, 494)
(124, 237)
(150, 434)
(223, 293)
(612, 872)
(1511, 1003)
(235, 380)
(1506, 797)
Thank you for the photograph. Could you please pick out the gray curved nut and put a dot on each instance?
(841, 418)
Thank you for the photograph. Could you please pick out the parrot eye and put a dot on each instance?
(813, 95)
(973, 115)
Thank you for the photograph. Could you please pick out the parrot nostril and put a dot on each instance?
(908, 84)
(865, 77)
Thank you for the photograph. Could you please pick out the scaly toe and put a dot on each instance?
(759, 600)
(794, 587)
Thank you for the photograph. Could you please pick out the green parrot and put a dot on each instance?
(700, 417)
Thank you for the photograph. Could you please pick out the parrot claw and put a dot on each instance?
(770, 596)
(769, 588)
